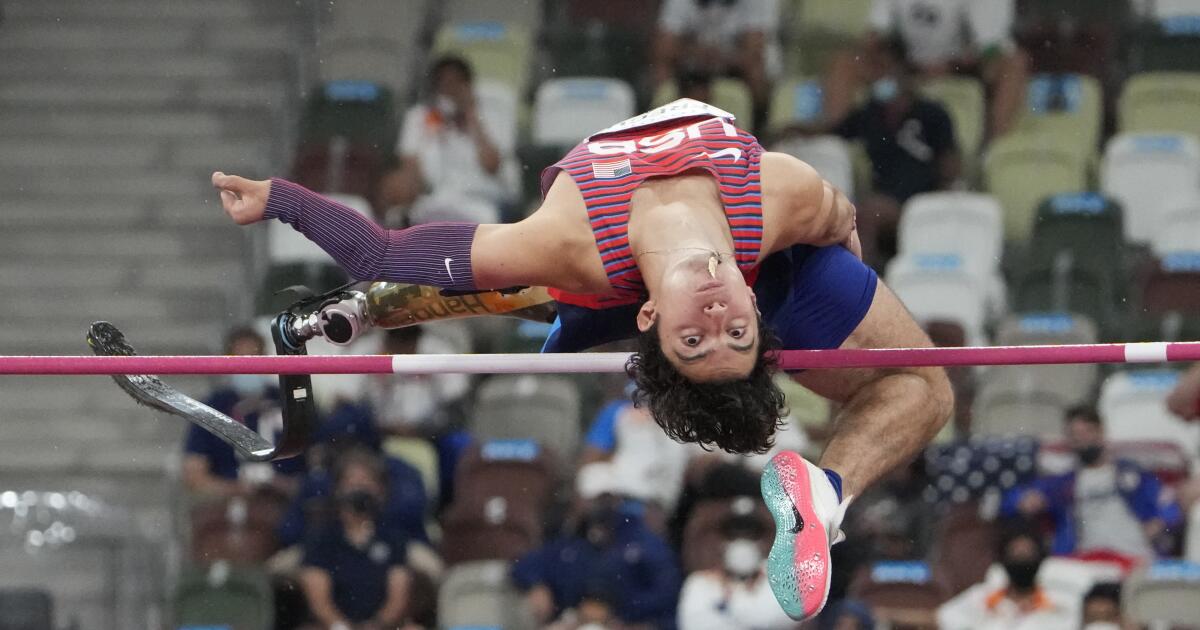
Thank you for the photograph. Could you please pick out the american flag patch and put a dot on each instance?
(611, 170)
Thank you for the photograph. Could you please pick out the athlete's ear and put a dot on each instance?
(646, 316)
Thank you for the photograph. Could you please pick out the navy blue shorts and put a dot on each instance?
(812, 297)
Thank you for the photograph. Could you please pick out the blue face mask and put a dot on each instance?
(885, 90)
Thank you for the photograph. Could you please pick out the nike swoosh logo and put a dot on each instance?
(736, 154)
(448, 272)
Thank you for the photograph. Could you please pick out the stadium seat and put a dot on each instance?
(1160, 102)
(239, 530)
(1133, 406)
(339, 167)
(225, 597)
(480, 595)
(499, 107)
(941, 288)
(480, 526)
(815, 31)
(525, 13)
(495, 50)
(702, 537)
(1029, 329)
(593, 47)
(543, 408)
(1167, 44)
(1163, 594)
(374, 19)
(1174, 285)
(568, 110)
(420, 454)
(796, 101)
(1066, 109)
(518, 469)
(1064, 287)
(899, 591)
(728, 94)
(1179, 228)
(1027, 400)
(1164, 9)
(830, 155)
(964, 99)
(361, 112)
(1144, 171)
(26, 609)
(381, 61)
(963, 547)
(1087, 228)
(1191, 545)
(1022, 169)
(969, 225)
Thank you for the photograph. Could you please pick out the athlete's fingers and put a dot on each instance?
(228, 200)
(239, 185)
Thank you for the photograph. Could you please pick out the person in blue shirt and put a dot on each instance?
(350, 428)
(1104, 505)
(613, 560)
(210, 466)
(354, 570)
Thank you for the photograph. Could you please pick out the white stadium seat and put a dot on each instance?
(940, 288)
(1144, 171)
(1179, 228)
(963, 223)
(1133, 406)
(830, 155)
(567, 110)
(499, 109)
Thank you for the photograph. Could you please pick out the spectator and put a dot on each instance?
(946, 37)
(404, 506)
(210, 466)
(910, 141)
(1019, 604)
(450, 165)
(847, 614)
(1102, 607)
(612, 566)
(737, 38)
(736, 595)
(1184, 400)
(646, 464)
(1105, 505)
(418, 405)
(354, 571)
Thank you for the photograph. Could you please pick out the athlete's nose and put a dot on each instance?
(714, 308)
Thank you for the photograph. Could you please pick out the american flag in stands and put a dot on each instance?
(969, 470)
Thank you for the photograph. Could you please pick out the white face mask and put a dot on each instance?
(743, 557)
(446, 106)
(1102, 625)
(247, 385)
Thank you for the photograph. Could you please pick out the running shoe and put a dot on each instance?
(807, 519)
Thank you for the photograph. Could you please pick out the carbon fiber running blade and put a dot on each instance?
(106, 340)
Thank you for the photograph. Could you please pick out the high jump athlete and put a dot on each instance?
(668, 217)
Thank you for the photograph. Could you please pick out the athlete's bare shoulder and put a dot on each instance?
(799, 206)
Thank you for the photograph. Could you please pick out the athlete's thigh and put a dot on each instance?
(887, 324)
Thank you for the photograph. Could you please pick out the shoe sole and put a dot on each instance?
(798, 565)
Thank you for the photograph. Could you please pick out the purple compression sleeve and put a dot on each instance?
(433, 254)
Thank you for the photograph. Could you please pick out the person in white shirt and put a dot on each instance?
(735, 596)
(451, 167)
(721, 38)
(420, 404)
(942, 37)
(1014, 601)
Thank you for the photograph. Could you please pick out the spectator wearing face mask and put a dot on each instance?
(1102, 608)
(1104, 506)
(354, 573)
(210, 466)
(611, 561)
(451, 165)
(736, 595)
(1017, 603)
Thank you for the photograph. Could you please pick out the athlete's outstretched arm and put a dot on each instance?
(887, 415)
(449, 255)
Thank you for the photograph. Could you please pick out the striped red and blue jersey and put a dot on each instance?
(679, 137)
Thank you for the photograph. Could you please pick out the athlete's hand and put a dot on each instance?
(853, 244)
(244, 200)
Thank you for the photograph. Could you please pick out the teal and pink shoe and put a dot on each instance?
(807, 515)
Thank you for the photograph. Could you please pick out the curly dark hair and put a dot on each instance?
(738, 416)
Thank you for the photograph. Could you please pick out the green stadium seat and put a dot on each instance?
(494, 50)
(1168, 45)
(728, 94)
(598, 49)
(817, 29)
(1070, 289)
(224, 596)
(1160, 101)
(362, 112)
(1022, 169)
(964, 100)
(1088, 226)
(1066, 108)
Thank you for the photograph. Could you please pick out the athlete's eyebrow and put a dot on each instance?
(693, 358)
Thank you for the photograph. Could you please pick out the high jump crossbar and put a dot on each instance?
(598, 362)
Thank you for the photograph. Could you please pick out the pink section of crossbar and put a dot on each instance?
(586, 362)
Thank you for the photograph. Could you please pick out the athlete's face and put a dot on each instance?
(708, 326)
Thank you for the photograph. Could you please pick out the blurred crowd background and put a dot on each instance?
(1026, 172)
